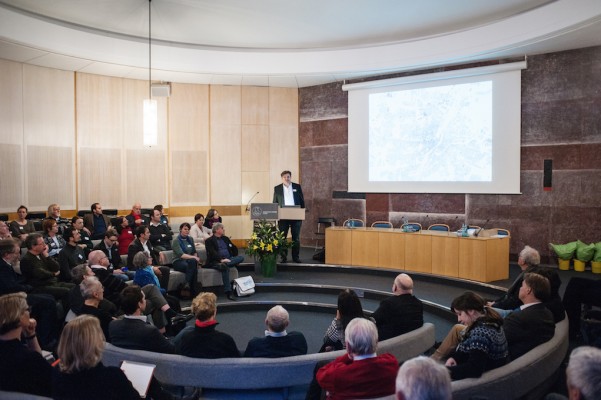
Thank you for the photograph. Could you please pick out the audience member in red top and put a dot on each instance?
(126, 235)
(360, 373)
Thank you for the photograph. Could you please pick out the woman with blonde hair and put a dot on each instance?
(82, 375)
(22, 367)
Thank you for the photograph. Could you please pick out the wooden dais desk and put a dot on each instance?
(483, 259)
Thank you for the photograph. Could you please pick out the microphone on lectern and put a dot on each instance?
(251, 199)
(482, 228)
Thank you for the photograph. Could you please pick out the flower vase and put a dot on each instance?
(268, 265)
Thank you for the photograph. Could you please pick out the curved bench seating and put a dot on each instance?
(526, 377)
(21, 396)
(257, 373)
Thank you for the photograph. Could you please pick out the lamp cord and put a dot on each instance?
(149, 52)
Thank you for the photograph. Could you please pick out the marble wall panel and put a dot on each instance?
(563, 156)
(317, 178)
(373, 216)
(591, 117)
(343, 209)
(552, 122)
(590, 158)
(377, 202)
(428, 202)
(323, 102)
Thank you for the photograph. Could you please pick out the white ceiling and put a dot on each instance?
(283, 42)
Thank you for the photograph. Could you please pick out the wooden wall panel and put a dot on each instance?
(189, 117)
(12, 168)
(11, 180)
(99, 112)
(50, 177)
(134, 93)
(146, 177)
(283, 106)
(100, 178)
(49, 135)
(226, 165)
(253, 182)
(255, 148)
(11, 102)
(225, 105)
(283, 152)
(255, 105)
(189, 183)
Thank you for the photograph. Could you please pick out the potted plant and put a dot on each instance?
(265, 244)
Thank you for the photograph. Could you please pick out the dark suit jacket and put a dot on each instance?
(88, 221)
(527, 329)
(136, 247)
(10, 281)
(39, 272)
(293, 344)
(213, 256)
(138, 335)
(297, 192)
(397, 315)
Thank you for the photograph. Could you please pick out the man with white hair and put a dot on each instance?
(277, 342)
(400, 313)
(360, 373)
(583, 372)
(422, 378)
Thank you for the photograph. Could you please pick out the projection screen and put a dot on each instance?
(449, 132)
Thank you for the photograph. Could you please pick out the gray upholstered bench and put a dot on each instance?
(257, 373)
(207, 276)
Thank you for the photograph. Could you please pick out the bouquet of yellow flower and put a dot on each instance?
(266, 240)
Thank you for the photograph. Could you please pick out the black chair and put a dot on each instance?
(81, 213)
(4, 217)
(110, 212)
(321, 233)
(36, 215)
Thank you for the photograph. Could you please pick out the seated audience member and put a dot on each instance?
(71, 255)
(4, 231)
(155, 296)
(79, 273)
(82, 375)
(199, 234)
(126, 235)
(53, 240)
(277, 342)
(43, 306)
(532, 324)
(553, 302)
(142, 243)
(349, 307)
(85, 240)
(222, 255)
(41, 271)
(96, 222)
(93, 293)
(483, 346)
(21, 227)
(400, 313)
(212, 218)
(353, 376)
(580, 291)
(583, 372)
(22, 367)
(184, 256)
(528, 259)
(108, 245)
(99, 263)
(159, 208)
(54, 213)
(160, 233)
(133, 331)
(422, 378)
(204, 341)
(135, 217)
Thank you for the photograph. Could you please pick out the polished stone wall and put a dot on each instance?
(561, 121)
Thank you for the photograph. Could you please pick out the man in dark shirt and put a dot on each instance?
(133, 331)
(43, 306)
(71, 255)
(400, 313)
(222, 255)
(96, 222)
(160, 233)
(277, 342)
(85, 237)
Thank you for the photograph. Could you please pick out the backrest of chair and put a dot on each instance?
(36, 215)
(4, 217)
(326, 220)
(382, 224)
(473, 227)
(354, 223)
(109, 211)
(81, 213)
(412, 226)
(503, 232)
(439, 227)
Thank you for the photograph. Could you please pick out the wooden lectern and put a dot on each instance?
(291, 213)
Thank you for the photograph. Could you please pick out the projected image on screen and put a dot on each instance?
(435, 134)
